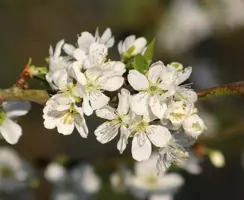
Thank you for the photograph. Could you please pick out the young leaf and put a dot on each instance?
(149, 52)
(140, 63)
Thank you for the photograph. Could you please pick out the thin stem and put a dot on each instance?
(17, 94)
(237, 87)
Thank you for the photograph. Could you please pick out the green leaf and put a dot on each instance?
(140, 63)
(149, 52)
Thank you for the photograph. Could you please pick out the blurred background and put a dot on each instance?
(205, 34)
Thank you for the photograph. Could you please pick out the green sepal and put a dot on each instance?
(150, 51)
(140, 63)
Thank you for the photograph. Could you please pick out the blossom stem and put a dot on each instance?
(237, 87)
(17, 94)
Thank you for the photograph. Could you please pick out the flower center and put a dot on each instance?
(141, 126)
(91, 85)
(196, 126)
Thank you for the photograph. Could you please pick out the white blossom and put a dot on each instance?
(64, 116)
(91, 85)
(13, 170)
(151, 91)
(9, 129)
(132, 46)
(55, 172)
(86, 39)
(119, 120)
(172, 153)
(86, 179)
(144, 134)
(146, 183)
(178, 111)
(56, 62)
(193, 126)
(191, 165)
(118, 180)
(92, 50)
(186, 25)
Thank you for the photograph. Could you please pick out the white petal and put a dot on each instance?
(110, 43)
(113, 83)
(107, 131)
(155, 71)
(186, 94)
(124, 135)
(158, 108)
(93, 73)
(10, 131)
(51, 51)
(141, 147)
(158, 135)
(86, 107)
(58, 48)
(98, 53)
(81, 126)
(79, 55)
(16, 108)
(139, 44)
(79, 90)
(49, 123)
(124, 102)
(75, 72)
(120, 47)
(137, 80)
(98, 99)
(106, 36)
(65, 129)
(139, 103)
(69, 49)
(106, 112)
(184, 76)
(114, 68)
(129, 41)
(161, 197)
(85, 40)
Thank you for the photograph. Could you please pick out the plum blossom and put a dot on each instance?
(15, 173)
(119, 120)
(56, 63)
(172, 153)
(86, 179)
(64, 116)
(55, 172)
(132, 46)
(144, 134)
(92, 50)
(193, 126)
(92, 83)
(145, 183)
(9, 129)
(178, 111)
(151, 91)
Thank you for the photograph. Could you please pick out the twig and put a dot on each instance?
(17, 94)
(237, 87)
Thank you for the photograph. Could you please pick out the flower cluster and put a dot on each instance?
(153, 107)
